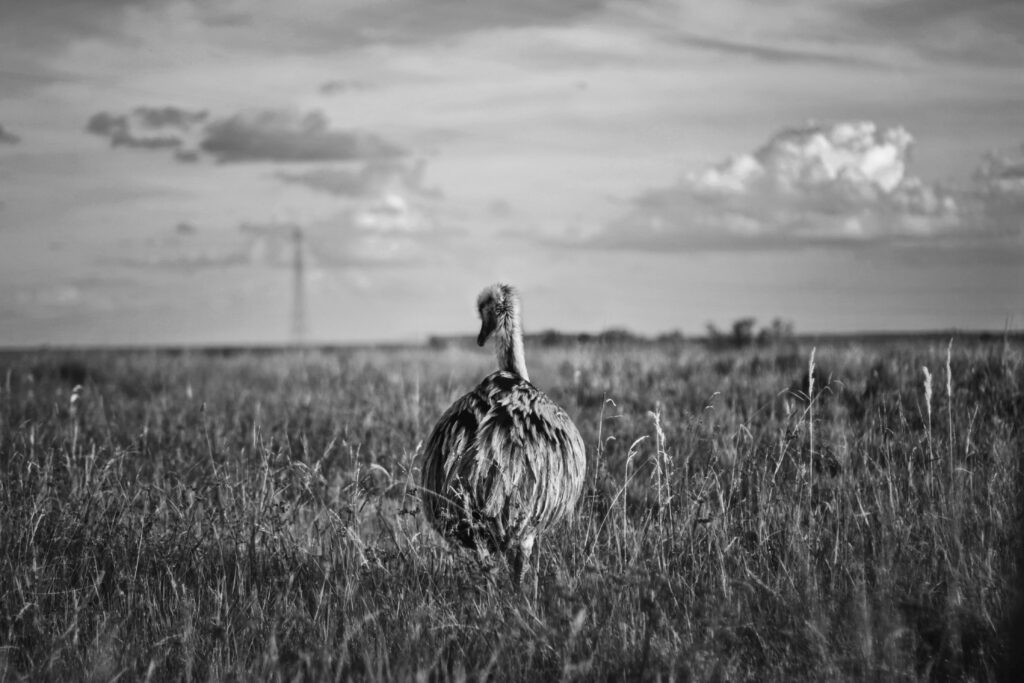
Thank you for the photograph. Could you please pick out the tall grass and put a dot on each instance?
(256, 516)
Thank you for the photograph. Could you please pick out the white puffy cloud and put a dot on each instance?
(846, 181)
(841, 167)
(853, 153)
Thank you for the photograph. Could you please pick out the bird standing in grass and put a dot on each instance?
(504, 462)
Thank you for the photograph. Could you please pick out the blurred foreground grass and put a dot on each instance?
(254, 516)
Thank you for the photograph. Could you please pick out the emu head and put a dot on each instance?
(497, 305)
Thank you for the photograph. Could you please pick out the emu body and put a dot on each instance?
(504, 462)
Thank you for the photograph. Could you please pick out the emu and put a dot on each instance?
(504, 462)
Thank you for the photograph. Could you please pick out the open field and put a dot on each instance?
(254, 516)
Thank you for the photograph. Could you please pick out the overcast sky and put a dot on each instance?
(844, 164)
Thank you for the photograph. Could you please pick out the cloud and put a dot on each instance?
(390, 215)
(817, 183)
(385, 232)
(770, 53)
(186, 247)
(374, 178)
(339, 86)
(150, 128)
(323, 26)
(7, 137)
(28, 23)
(990, 32)
(999, 185)
(280, 135)
(189, 259)
(276, 135)
(60, 295)
(1002, 174)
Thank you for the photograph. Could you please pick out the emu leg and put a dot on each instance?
(484, 561)
(519, 560)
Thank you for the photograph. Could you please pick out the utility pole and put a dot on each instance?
(299, 324)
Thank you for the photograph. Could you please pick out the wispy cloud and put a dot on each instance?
(374, 231)
(61, 295)
(389, 230)
(373, 178)
(983, 31)
(328, 24)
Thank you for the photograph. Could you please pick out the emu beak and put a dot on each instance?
(486, 327)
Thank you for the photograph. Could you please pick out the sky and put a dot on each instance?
(846, 165)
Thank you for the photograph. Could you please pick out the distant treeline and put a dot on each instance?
(742, 333)
(555, 338)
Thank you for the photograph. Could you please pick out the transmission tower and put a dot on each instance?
(299, 325)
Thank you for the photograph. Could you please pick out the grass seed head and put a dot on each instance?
(927, 389)
(949, 371)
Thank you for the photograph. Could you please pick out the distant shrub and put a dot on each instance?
(743, 334)
(673, 337)
(617, 335)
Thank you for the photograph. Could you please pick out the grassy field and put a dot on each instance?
(254, 516)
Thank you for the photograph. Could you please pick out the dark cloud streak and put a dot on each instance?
(146, 127)
(772, 54)
(340, 86)
(270, 135)
(7, 137)
(282, 136)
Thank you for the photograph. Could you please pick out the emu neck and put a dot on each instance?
(508, 345)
